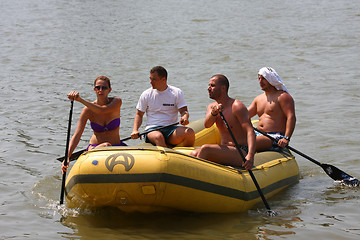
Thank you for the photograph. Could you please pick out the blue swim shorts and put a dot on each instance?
(166, 132)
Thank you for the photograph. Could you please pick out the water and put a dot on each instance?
(51, 47)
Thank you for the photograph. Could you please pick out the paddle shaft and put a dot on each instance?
(243, 159)
(332, 171)
(291, 148)
(156, 129)
(66, 155)
(75, 155)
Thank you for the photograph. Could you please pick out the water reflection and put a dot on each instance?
(292, 207)
(112, 223)
(160, 225)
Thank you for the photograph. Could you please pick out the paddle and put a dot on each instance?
(66, 155)
(330, 170)
(270, 212)
(75, 155)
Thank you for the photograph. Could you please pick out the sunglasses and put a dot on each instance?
(102, 87)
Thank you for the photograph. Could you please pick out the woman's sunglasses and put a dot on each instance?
(101, 87)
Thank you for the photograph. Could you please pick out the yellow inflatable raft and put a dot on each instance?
(146, 178)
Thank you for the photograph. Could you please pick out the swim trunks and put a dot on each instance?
(166, 132)
(277, 136)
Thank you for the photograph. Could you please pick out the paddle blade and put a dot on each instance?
(339, 175)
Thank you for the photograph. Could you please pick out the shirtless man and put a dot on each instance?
(276, 111)
(238, 120)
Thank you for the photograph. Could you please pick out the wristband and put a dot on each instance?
(287, 138)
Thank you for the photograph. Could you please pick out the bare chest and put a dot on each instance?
(269, 107)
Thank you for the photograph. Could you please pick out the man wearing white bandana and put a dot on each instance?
(276, 111)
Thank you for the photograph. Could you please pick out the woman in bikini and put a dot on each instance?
(104, 116)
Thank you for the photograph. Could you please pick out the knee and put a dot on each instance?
(188, 137)
(190, 132)
(204, 151)
(156, 137)
(104, 144)
(263, 143)
(195, 152)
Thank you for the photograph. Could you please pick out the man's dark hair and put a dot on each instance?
(160, 70)
(223, 81)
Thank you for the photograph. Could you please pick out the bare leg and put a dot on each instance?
(105, 144)
(157, 138)
(222, 154)
(263, 143)
(195, 152)
(183, 135)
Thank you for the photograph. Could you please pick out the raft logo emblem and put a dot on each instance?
(128, 161)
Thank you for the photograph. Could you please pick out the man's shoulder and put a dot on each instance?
(284, 96)
(238, 106)
(238, 103)
(278, 95)
(147, 91)
(150, 89)
(175, 91)
(171, 87)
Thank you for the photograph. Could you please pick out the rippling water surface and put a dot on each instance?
(51, 47)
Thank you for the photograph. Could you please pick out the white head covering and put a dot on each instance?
(273, 78)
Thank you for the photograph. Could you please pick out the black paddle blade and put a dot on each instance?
(339, 175)
(271, 213)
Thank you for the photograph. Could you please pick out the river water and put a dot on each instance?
(50, 47)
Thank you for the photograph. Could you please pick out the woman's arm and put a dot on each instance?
(114, 104)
